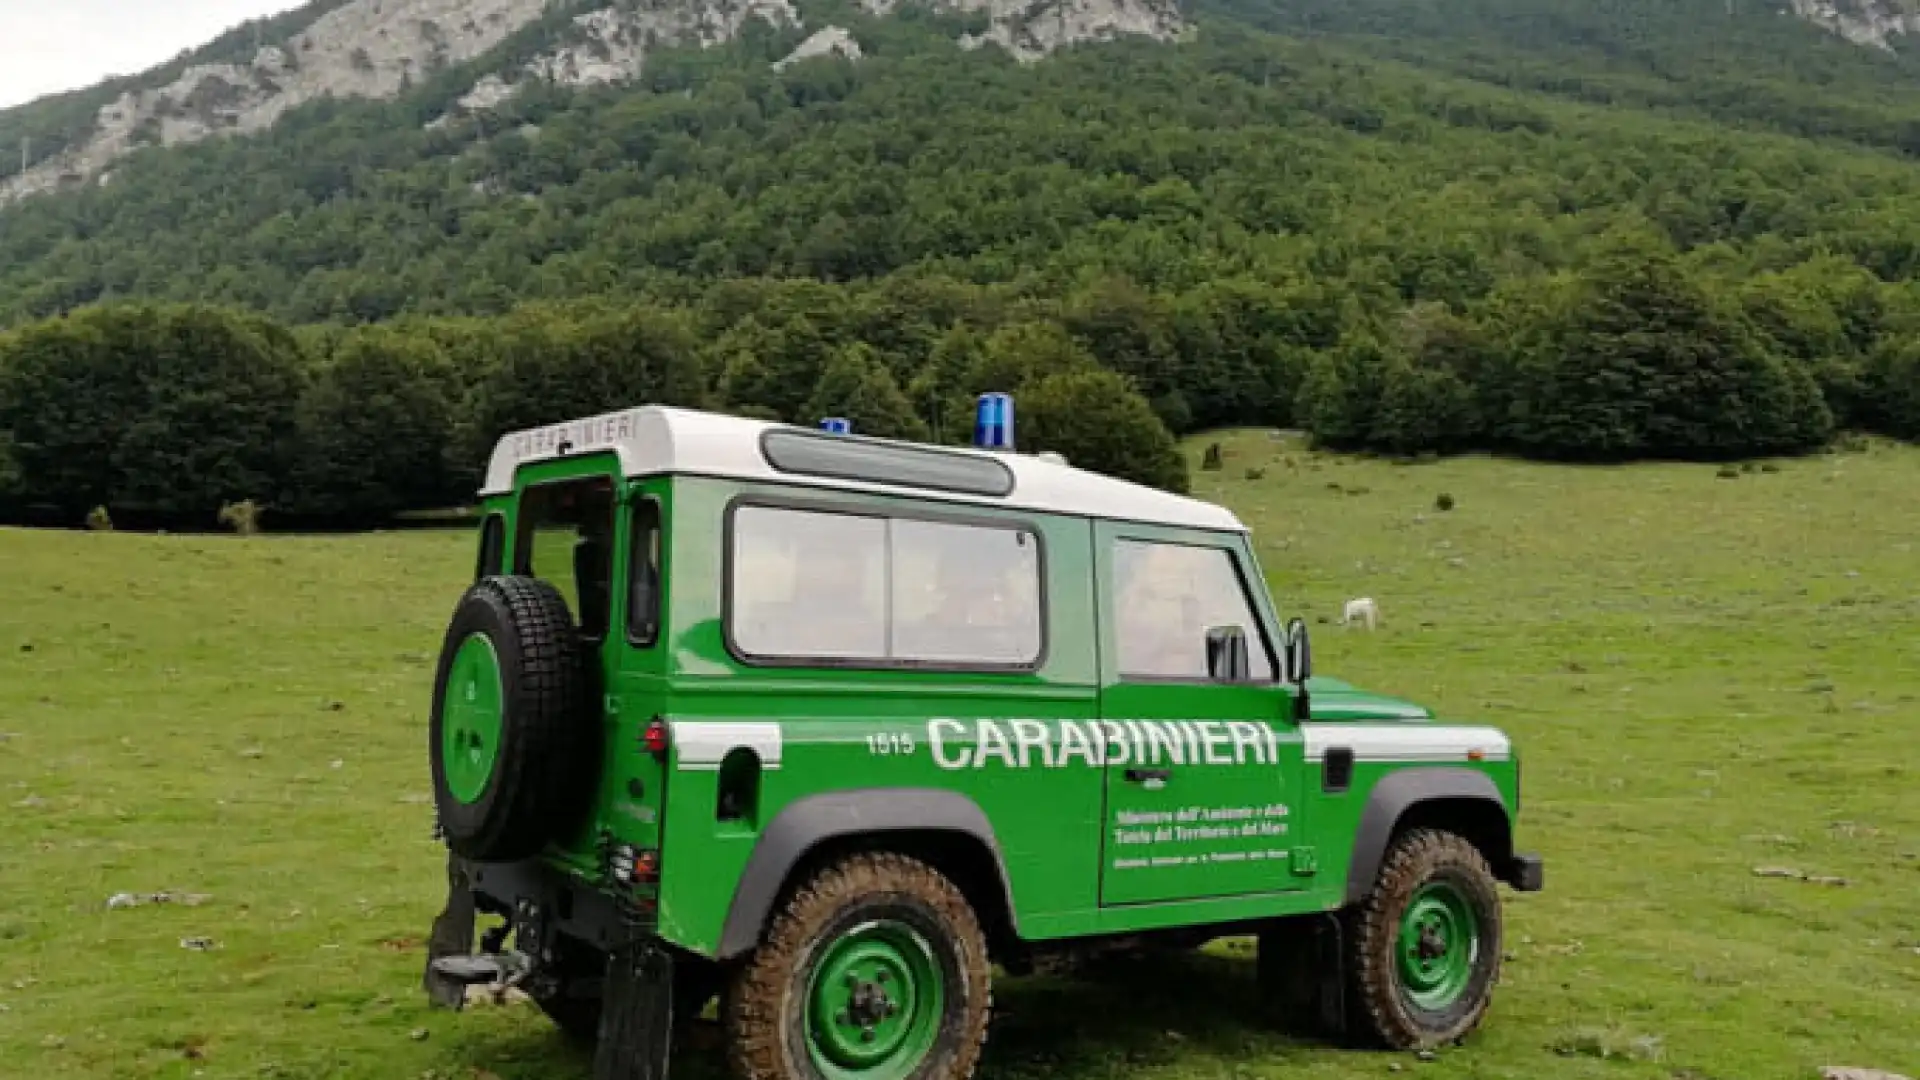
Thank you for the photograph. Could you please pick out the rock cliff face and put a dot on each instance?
(1874, 23)
(379, 48)
(833, 41)
(612, 44)
(1031, 29)
(369, 48)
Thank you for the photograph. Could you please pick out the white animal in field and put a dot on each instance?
(1361, 609)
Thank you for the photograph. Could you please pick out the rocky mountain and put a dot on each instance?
(397, 157)
(381, 48)
(1875, 23)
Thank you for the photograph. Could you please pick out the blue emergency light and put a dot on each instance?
(993, 422)
(837, 425)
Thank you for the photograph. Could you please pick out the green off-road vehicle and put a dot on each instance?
(825, 727)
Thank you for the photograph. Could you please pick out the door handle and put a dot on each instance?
(1144, 776)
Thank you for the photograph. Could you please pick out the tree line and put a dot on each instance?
(1474, 229)
(168, 414)
(174, 411)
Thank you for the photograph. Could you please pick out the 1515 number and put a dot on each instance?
(888, 743)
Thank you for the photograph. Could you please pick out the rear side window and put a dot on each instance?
(565, 537)
(860, 590)
(643, 599)
(1166, 598)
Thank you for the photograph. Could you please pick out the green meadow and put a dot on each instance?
(1708, 675)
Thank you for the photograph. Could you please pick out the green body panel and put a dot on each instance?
(1332, 699)
(628, 799)
(1239, 828)
(1220, 826)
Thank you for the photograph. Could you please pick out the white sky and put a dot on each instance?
(47, 46)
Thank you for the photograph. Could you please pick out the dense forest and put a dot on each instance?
(1646, 229)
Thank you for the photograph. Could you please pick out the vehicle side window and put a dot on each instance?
(493, 540)
(565, 537)
(1166, 598)
(643, 600)
(820, 585)
(965, 594)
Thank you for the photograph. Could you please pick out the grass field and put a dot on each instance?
(1707, 675)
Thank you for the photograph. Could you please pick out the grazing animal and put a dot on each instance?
(1362, 609)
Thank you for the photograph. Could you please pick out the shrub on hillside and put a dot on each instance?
(1892, 381)
(1244, 345)
(1341, 393)
(1641, 360)
(243, 517)
(169, 410)
(1007, 361)
(9, 468)
(1097, 420)
(375, 428)
(773, 360)
(560, 364)
(1131, 330)
(857, 386)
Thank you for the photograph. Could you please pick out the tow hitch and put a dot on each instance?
(636, 987)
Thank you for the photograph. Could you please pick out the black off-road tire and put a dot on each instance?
(1381, 1010)
(545, 766)
(764, 1009)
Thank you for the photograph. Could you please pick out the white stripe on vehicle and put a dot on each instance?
(703, 745)
(1406, 742)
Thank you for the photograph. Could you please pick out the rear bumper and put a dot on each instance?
(1526, 873)
(537, 891)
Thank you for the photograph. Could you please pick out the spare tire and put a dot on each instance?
(513, 734)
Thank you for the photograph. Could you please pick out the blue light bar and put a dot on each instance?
(993, 422)
(837, 425)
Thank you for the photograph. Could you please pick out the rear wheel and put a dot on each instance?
(1426, 943)
(876, 969)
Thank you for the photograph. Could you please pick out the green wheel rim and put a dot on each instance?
(875, 1002)
(1438, 946)
(471, 720)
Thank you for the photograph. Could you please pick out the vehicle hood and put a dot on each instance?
(1332, 699)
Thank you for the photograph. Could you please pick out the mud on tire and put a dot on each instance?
(855, 918)
(508, 773)
(1425, 945)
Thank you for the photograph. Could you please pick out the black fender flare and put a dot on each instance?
(1400, 792)
(805, 824)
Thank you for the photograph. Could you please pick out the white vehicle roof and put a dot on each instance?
(657, 439)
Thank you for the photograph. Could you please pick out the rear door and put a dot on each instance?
(598, 540)
(1201, 772)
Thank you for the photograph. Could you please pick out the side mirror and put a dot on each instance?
(1299, 657)
(1299, 653)
(1227, 657)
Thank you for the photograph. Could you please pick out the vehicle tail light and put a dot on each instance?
(656, 737)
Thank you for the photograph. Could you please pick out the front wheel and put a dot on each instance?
(876, 969)
(1426, 943)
